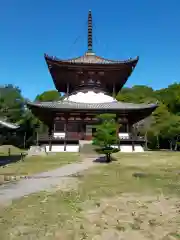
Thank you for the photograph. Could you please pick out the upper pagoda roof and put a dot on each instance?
(90, 58)
(69, 71)
(75, 72)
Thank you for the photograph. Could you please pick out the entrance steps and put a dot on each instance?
(83, 142)
(37, 151)
(86, 147)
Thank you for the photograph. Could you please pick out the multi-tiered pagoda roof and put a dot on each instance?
(111, 73)
(86, 74)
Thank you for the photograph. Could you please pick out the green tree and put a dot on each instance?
(11, 103)
(12, 109)
(106, 135)
(38, 126)
(171, 131)
(171, 97)
(47, 96)
(30, 127)
(159, 118)
(143, 127)
(169, 107)
(136, 94)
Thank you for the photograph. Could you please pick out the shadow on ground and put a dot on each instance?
(4, 160)
(102, 159)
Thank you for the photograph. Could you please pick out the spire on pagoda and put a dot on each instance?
(90, 38)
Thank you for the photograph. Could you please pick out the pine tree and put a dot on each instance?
(106, 135)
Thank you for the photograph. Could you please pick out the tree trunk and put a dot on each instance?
(108, 157)
(37, 138)
(170, 145)
(175, 148)
(24, 140)
(157, 138)
(146, 145)
(176, 143)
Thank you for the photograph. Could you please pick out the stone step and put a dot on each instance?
(36, 151)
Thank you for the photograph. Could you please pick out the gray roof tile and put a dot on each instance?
(81, 106)
(91, 59)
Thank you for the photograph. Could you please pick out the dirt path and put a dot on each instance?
(41, 182)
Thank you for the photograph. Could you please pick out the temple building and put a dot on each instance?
(90, 84)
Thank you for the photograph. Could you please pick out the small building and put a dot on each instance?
(7, 125)
(90, 84)
(7, 129)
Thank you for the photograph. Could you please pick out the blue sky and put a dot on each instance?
(123, 29)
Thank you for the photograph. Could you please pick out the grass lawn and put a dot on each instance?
(136, 197)
(35, 164)
(6, 149)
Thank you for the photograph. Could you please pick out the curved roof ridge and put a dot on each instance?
(95, 59)
(77, 105)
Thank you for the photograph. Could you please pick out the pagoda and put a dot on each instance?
(90, 84)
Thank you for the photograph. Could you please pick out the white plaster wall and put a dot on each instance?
(60, 135)
(128, 148)
(90, 97)
(123, 135)
(75, 148)
(60, 148)
(138, 148)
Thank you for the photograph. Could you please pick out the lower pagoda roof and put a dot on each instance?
(68, 105)
(46, 111)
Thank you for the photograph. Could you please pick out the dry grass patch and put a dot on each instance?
(66, 184)
(148, 217)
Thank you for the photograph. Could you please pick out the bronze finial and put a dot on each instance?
(90, 40)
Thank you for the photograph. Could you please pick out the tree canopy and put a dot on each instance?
(47, 96)
(160, 127)
(106, 135)
(11, 103)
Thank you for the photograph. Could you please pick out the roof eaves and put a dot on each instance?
(104, 60)
(89, 106)
(8, 125)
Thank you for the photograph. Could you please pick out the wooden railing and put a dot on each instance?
(78, 136)
(70, 136)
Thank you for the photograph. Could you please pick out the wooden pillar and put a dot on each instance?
(67, 89)
(82, 128)
(50, 137)
(127, 127)
(132, 138)
(54, 126)
(82, 131)
(117, 132)
(65, 130)
(114, 90)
